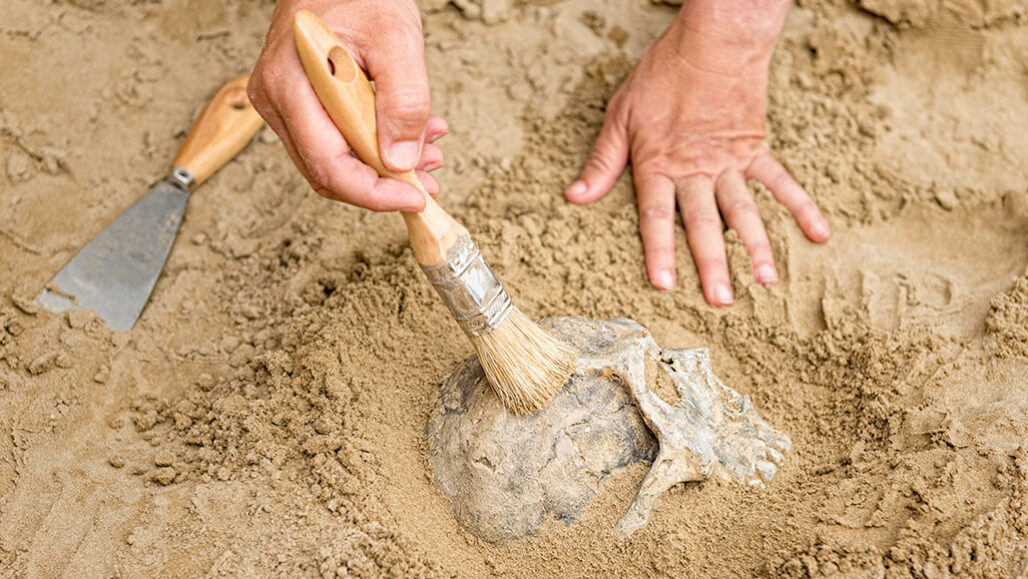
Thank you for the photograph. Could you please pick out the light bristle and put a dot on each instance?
(525, 365)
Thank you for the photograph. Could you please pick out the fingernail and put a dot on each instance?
(403, 155)
(579, 188)
(766, 274)
(820, 230)
(432, 166)
(722, 295)
(664, 280)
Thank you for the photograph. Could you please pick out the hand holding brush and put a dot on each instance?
(524, 364)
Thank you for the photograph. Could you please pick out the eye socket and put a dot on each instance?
(340, 65)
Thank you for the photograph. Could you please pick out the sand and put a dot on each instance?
(265, 418)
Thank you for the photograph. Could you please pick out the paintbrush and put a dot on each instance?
(524, 364)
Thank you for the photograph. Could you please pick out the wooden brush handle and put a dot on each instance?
(349, 99)
(225, 126)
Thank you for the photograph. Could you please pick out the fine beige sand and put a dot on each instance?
(265, 418)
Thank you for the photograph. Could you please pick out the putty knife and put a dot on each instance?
(114, 274)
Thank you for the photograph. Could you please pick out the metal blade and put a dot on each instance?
(114, 274)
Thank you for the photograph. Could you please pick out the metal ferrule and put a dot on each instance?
(475, 297)
(183, 178)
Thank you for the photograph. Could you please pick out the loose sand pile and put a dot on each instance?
(266, 415)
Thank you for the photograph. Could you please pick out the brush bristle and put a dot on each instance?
(525, 365)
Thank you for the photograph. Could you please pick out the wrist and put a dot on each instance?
(729, 36)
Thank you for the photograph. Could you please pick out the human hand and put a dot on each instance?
(691, 116)
(386, 40)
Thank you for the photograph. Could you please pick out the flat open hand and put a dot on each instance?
(691, 116)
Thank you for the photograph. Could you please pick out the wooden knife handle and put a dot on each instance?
(225, 126)
(349, 100)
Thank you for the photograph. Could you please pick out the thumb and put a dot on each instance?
(402, 99)
(605, 163)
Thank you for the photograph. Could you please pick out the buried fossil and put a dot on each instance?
(507, 474)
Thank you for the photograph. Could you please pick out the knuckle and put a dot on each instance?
(263, 90)
(780, 178)
(253, 87)
(759, 165)
(615, 110)
(741, 209)
(372, 203)
(412, 29)
(599, 163)
(318, 170)
(338, 190)
(702, 220)
(318, 176)
(325, 192)
(712, 269)
(402, 24)
(255, 93)
(806, 208)
(660, 252)
(406, 110)
(408, 103)
(760, 250)
(656, 212)
(398, 40)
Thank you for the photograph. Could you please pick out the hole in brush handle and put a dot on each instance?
(341, 65)
(237, 99)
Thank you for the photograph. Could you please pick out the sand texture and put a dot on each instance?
(266, 416)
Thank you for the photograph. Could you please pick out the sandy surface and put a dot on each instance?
(266, 415)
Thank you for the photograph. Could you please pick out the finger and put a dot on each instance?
(256, 92)
(257, 96)
(788, 192)
(386, 187)
(435, 129)
(431, 158)
(605, 163)
(294, 154)
(741, 214)
(656, 195)
(429, 182)
(402, 98)
(275, 122)
(326, 156)
(705, 234)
